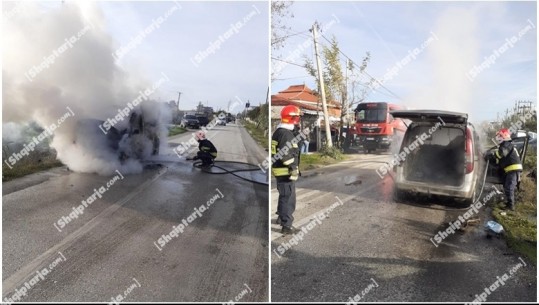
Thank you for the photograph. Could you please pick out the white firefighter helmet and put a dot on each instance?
(200, 135)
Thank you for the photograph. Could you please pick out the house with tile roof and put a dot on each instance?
(309, 103)
(307, 100)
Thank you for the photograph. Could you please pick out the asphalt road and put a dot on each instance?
(112, 250)
(375, 249)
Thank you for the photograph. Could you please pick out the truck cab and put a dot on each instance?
(376, 127)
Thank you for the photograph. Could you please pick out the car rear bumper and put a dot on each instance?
(464, 192)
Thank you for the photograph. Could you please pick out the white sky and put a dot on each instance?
(236, 71)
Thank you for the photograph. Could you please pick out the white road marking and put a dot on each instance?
(299, 223)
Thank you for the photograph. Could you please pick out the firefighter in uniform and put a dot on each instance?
(285, 152)
(206, 150)
(508, 160)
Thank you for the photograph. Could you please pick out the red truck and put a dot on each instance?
(375, 127)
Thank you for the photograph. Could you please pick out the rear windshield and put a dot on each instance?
(441, 136)
(191, 117)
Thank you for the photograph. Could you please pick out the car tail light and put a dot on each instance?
(469, 151)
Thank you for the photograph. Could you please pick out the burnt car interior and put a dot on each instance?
(440, 159)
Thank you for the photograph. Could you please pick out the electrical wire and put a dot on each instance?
(290, 63)
(291, 35)
(354, 63)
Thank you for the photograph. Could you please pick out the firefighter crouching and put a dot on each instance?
(508, 160)
(285, 168)
(206, 150)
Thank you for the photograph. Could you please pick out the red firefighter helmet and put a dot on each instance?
(503, 135)
(290, 114)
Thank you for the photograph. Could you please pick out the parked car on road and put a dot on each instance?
(446, 162)
(190, 121)
(203, 120)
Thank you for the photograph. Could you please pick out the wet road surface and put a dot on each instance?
(372, 248)
(122, 246)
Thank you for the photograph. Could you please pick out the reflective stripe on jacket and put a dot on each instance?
(284, 152)
(508, 158)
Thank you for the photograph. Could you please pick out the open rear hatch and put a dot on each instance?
(442, 158)
(431, 116)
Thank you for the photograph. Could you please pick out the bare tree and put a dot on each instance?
(279, 30)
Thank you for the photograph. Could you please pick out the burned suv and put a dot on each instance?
(137, 138)
(441, 155)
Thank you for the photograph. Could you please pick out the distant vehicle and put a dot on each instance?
(532, 142)
(447, 163)
(230, 118)
(203, 120)
(375, 127)
(221, 122)
(190, 121)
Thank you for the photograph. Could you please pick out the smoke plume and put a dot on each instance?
(58, 61)
(450, 57)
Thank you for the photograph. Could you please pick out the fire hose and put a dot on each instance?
(223, 170)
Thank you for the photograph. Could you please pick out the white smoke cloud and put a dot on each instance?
(62, 57)
(449, 58)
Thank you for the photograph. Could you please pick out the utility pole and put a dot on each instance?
(329, 143)
(179, 94)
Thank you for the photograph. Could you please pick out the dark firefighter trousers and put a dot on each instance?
(205, 157)
(287, 201)
(509, 186)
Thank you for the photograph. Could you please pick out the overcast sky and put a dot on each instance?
(440, 76)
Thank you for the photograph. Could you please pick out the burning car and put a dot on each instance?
(442, 155)
(136, 138)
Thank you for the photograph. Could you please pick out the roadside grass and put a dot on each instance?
(33, 163)
(521, 225)
(176, 130)
(257, 133)
(317, 160)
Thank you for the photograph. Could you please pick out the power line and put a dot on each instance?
(353, 62)
(295, 77)
(290, 63)
(287, 36)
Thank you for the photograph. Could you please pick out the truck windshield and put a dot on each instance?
(372, 115)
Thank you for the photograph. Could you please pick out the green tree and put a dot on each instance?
(259, 115)
(340, 81)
